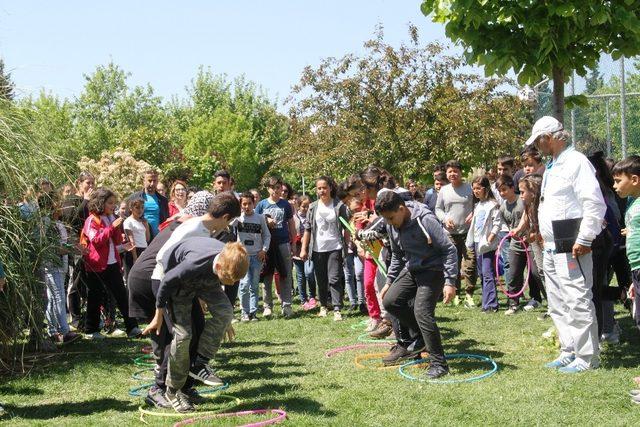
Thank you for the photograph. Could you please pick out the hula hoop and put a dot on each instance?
(359, 325)
(136, 375)
(137, 391)
(234, 400)
(280, 416)
(486, 359)
(497, 262)
(361, 338)
(146, 349)
(359, 358)
(338, 350)
(142, 361)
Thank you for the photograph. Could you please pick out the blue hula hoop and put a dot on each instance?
(137, 391)
(486, 359)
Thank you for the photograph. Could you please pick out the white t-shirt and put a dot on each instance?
(327, 237)
(139, 231)
(190, 228)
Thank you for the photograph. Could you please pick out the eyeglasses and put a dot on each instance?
(182, 190)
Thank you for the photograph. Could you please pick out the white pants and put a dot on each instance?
(570, 304)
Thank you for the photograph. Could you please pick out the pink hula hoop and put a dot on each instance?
(338, 350)
(526, 282)
(281, 416)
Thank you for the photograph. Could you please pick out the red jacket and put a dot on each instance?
(95, 237)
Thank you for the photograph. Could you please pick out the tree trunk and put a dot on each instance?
(558, 94)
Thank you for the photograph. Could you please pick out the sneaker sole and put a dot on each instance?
(209, 383)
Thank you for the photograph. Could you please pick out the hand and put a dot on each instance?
(449, 293)
(3, 282)
(129, 246)
(632, 293)
(491, 238)
(117, 222)
(468, 219)
(360, 216)
(448, 223)
(87, 194)
(384, 290)
(230, 334)
(82, 249)
(623, 231)
(271, 223)
(579, 250)
(262, 255)
(303, 254)
(155, 324)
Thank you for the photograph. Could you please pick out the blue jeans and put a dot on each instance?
(249, 286)
(305, 276)
(56, 312)
(353, 274)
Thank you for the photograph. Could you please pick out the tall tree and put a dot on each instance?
(6, 84)
(540, 38)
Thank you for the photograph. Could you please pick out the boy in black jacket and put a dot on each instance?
(197, 267)
(423, 265)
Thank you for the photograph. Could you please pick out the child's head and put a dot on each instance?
(374, 179)
(626, 177)
(412, 185)
(67, 190)
(85, 182)
(247, 202)
(325, 187)
(529, 187)
(453, 168)
(482, 188)
(256, 195)
(136, 207)
(531, 160)
(274, 187)
(506, 164)
(225, 206)
(221, 181)
(102, 202)
(303, 204)
(355, 205)
(506, 187)
(123, 210)
(287, 191)
(232, 263)
(391, 206)
(353, 187)
(440, 180)
(161, 189)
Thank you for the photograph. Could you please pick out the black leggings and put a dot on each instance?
(97, 284)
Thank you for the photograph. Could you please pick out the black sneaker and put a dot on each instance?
(193, 395)
(363, 309)
(179, 401)
(353, 307)
(399, 354)
(437, 371)
(204, 373)
(155, 397)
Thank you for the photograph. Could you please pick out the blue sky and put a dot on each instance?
(50, 45)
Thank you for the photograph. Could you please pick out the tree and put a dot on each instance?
(537, 39)
(6, 84)
(404, 109)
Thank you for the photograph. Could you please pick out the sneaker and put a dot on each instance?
(437, 371)
(634, 393)
(611, 338)
(287, 311)
(456, 301)
(373, 325)
(363, 309)
(398, 354)
(353, 307)
(155, 397)
(234, 320)
(511, 311)
(117, 333)
(323, 312)
(384, 330)
(94, 336)
(469, 302)
(551, 332)
(531, 305)
(245, 317)
(489, 310)
(70, 337)
(543, 316)
(253, 317)
(312, 303)
(636, 400)
(135, 333)
(179, 401)
(561, 361)
(266, 312)
(337, 316)
(2, 411)
(204, 374)
(575, 367)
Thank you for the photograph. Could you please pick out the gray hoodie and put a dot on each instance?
(421, 244)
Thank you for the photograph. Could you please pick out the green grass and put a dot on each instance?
(281, 364)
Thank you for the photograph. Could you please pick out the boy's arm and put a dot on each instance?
(397, 260)
(266, 234)
(441, 242)
(440, 206)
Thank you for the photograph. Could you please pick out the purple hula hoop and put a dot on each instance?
(282, 415)
(498, 250)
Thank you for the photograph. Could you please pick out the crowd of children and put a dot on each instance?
(561, 228)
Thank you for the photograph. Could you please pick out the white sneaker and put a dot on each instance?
(118, 333)
(267, 312)
(337, 316)
(323, 312)
(531, 305)
(511, 311)
(551, 332)
(373, 325)
(94, 336)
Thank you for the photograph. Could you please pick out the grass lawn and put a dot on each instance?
(281, 364)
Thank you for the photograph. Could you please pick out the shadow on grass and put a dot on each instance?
(292, 405)
(66, 409)
(625, 354)
(245, 344)
(21, 391)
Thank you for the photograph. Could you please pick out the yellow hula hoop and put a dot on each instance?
(232, 399)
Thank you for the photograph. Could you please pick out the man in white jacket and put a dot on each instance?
(569, 190)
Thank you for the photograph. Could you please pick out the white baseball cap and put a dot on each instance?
(545, 124)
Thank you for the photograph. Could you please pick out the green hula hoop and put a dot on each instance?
(137, 375)
(232, 401)
(359, 325)
(142, 361)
